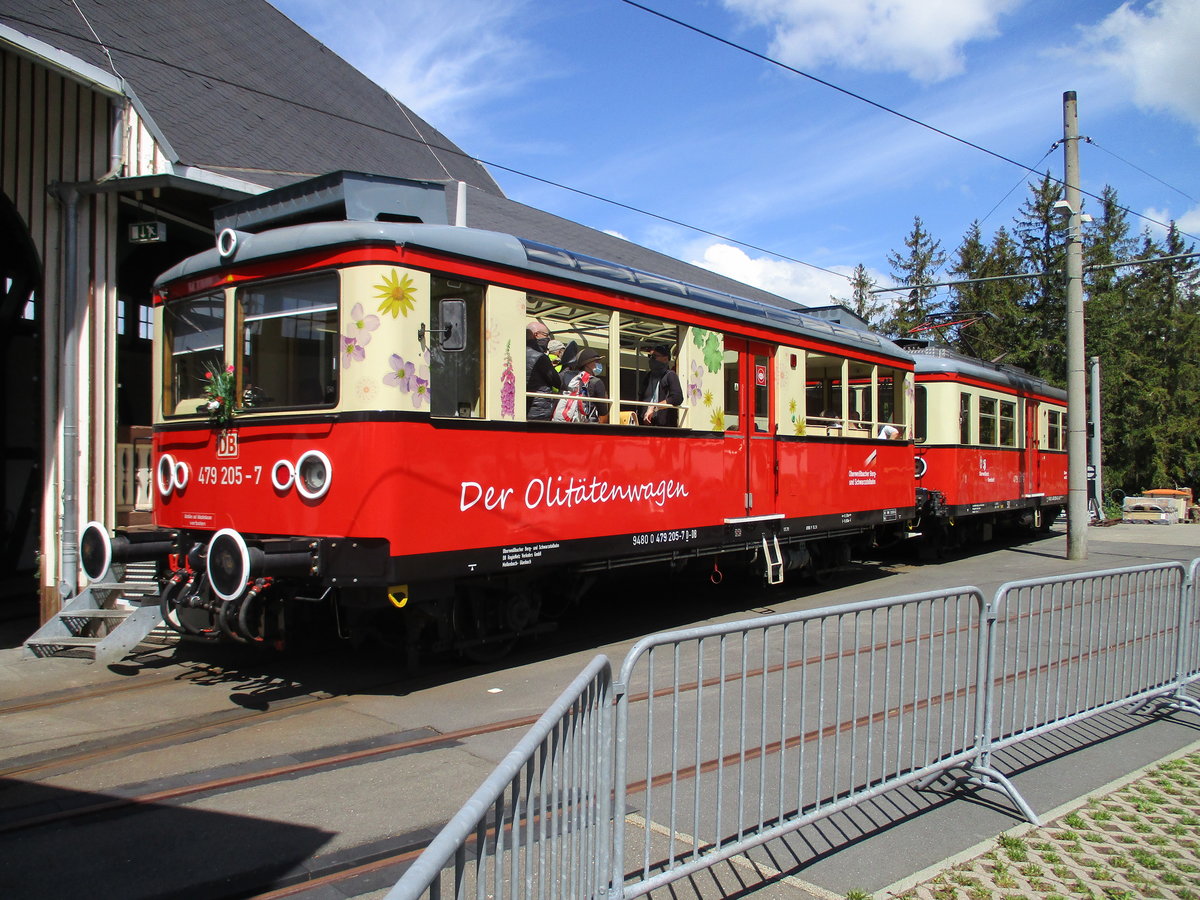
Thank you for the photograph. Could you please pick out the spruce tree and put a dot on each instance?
(864, 304)
(917, 268)
(1041, 233)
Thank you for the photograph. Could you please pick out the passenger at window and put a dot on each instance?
(591, 363)
(888, 432)
(662, 388)
(555, 351)
(540, 376)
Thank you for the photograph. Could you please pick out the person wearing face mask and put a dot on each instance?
(580, 380)
(591, 362)
(540, 375)
(661, 388)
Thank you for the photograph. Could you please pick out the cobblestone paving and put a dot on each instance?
(1142, 840)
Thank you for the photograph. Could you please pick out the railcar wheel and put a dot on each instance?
(488, 621)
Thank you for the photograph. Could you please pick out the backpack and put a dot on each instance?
(571, 407)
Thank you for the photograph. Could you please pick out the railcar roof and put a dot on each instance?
(531, 256)
(931, 360)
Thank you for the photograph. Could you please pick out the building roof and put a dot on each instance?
(237, 88)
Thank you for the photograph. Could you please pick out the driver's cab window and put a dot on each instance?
(289, 343)
(456, 376)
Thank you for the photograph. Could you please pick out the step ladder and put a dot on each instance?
(773, 557)
(105, 622)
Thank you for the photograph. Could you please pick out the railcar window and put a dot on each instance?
(890, 381)
(862, 396)
(1008, 423)
(823, 391)
(733, 388)
(579, 327)
(194, 342)
(456, 377)
(964, 418)
(762, 399)
(987, 420)
(289, 342)
(638, 336)
(1054, 431)
(921, 413)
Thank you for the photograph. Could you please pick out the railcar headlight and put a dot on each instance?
(228, 564)
(95, 550)
(164, 473)
(313, 475)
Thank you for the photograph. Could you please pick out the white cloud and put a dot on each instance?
(803, 284)
(442, 58)
(922, 38)
(1155, 51)
(1188, 223)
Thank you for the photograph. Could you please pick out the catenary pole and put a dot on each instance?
(1097, 443)
(1077, 507)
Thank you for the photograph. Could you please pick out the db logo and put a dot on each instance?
(760, 376)
(227, 445)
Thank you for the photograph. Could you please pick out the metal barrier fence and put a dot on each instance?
(725, 737)
(539, 826)
(748, 731)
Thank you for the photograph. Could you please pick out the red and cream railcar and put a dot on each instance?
(990, 444)
(342, 418)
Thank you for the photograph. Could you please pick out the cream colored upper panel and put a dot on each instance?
(382, 364)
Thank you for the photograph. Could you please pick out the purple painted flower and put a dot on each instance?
(695, 394)
(508, 386)
(401, 373)
(420, 391)
(352, 351)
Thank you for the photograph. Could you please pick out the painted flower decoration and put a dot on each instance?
(717, 420)
(361, 325)
(409, 378)
(508, 386)
(352, 351)
(420, 390)
(396, 294)
(401, 374)
(695, 383)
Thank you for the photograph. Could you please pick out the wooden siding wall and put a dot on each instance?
(54, 129)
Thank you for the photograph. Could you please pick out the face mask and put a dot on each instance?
(599, 369)
(657, 365)
(543, 344)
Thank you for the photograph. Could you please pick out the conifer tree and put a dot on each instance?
(998, 334)
(1041, 234)
(917, 268)
(862, 302)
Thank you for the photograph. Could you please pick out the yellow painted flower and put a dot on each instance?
(718, 420)
(396, 294)
(792, 406)
(708, 398)
(800, 428)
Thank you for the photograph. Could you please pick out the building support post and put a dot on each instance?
(68, 392)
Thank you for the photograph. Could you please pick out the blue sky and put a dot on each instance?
(611, 100)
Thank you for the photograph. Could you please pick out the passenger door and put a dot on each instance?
(1030, 458)
(749, 425)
